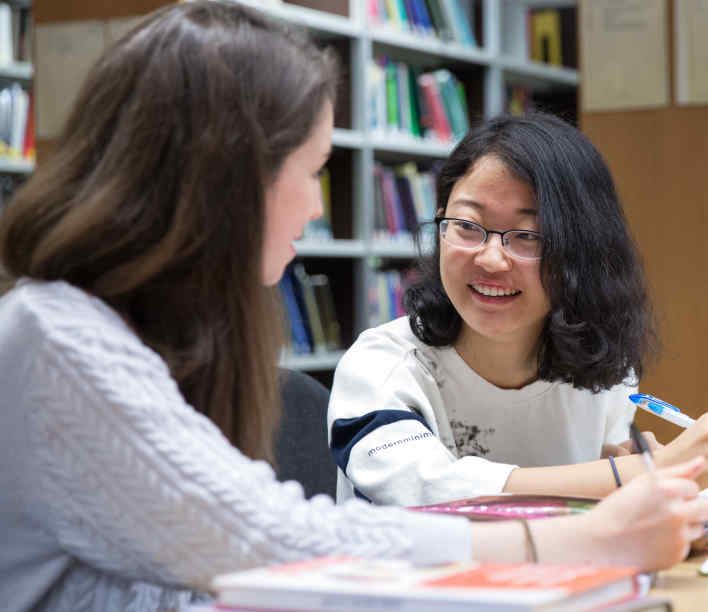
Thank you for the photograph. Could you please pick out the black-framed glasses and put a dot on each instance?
(465, 234)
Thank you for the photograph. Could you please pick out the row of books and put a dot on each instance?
(449, 20)
(385, 295)
(16, 123)
(552, 36)
(405, 101)
(15, 33)
(404, 198)
(321, 229)
(309, 308)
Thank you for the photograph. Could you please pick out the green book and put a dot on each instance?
(392, 118)
(413, 102)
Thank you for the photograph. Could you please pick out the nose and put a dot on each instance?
(491, 256)
(318, 208)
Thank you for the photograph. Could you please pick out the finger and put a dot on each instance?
(651, 440)
(694, 511)
(694, 531)
(616, 450)
(689, 469)
(678, 489)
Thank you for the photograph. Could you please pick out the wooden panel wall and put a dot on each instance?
(52, 11)
(659, 159)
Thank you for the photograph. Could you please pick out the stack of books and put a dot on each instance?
(309, 308)
(15, 32)
(405, 102)
(448, 20)
(404, 199)
(385, 295)
(16, 123)
(347, 585)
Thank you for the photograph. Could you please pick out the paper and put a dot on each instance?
(65, 53)
(624, 54)
(691, 51)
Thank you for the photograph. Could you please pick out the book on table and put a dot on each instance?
(347, 584)
(511, 506)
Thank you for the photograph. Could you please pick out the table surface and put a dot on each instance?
(684, 586)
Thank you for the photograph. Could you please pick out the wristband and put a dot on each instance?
(532, 555)
(615, 471)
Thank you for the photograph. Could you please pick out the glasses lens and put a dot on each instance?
(462, 233)
(528, 245)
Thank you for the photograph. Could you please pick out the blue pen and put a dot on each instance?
(661, 409)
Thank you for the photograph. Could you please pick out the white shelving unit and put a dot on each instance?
(22, 72)
(501, 59)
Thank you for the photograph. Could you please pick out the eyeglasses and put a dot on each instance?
(464, 234)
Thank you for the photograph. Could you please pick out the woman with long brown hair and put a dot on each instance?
(140, 257)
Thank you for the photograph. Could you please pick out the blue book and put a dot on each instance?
(412, 17)
(461, 25)
(425, 20)
(298, 333)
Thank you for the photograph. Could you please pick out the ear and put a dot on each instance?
(440, 212)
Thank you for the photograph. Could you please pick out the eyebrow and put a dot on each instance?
(531, 212)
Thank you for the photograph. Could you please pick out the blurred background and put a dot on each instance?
(632, 74)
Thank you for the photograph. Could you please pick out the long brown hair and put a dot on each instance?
(154, 197)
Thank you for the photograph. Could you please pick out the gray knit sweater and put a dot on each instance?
(115, 495)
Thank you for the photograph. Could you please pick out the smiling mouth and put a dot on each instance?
(494, 292)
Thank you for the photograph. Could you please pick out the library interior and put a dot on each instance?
(415, 76)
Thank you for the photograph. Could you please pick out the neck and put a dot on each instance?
(505, 363)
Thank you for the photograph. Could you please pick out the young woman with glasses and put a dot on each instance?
(528, 330)
(137, 345)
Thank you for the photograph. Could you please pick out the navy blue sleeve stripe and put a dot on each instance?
(347, 432)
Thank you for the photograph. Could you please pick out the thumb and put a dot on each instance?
(688, 469)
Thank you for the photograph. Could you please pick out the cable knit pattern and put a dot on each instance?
(140, 494)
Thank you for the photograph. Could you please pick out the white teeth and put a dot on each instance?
(494, 291)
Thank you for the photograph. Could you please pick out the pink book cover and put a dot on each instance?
(511, 506)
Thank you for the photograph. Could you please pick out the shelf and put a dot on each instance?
(543, 74)
(330, 248)
(429, 46)
(325, 360)
(16, 166)
(414, 147)
(313, 20)
(402, 248)
(22, 71)
(348, 139)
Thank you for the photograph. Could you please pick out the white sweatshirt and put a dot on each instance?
(411, 424)
(115, 495)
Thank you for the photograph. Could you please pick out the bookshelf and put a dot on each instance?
(486, 70)
(16, 77)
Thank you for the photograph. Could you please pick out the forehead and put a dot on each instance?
(490, 185)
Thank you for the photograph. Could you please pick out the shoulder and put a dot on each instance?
(59, 317)
(380, 349)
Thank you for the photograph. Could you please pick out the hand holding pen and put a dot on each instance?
(642, 447)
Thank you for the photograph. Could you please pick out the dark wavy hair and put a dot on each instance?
(601, 327)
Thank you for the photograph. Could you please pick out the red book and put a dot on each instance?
(28, 150)
(434, 117)
(511, 506)
(346, 584)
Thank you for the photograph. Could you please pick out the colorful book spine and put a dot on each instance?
(434, 119)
